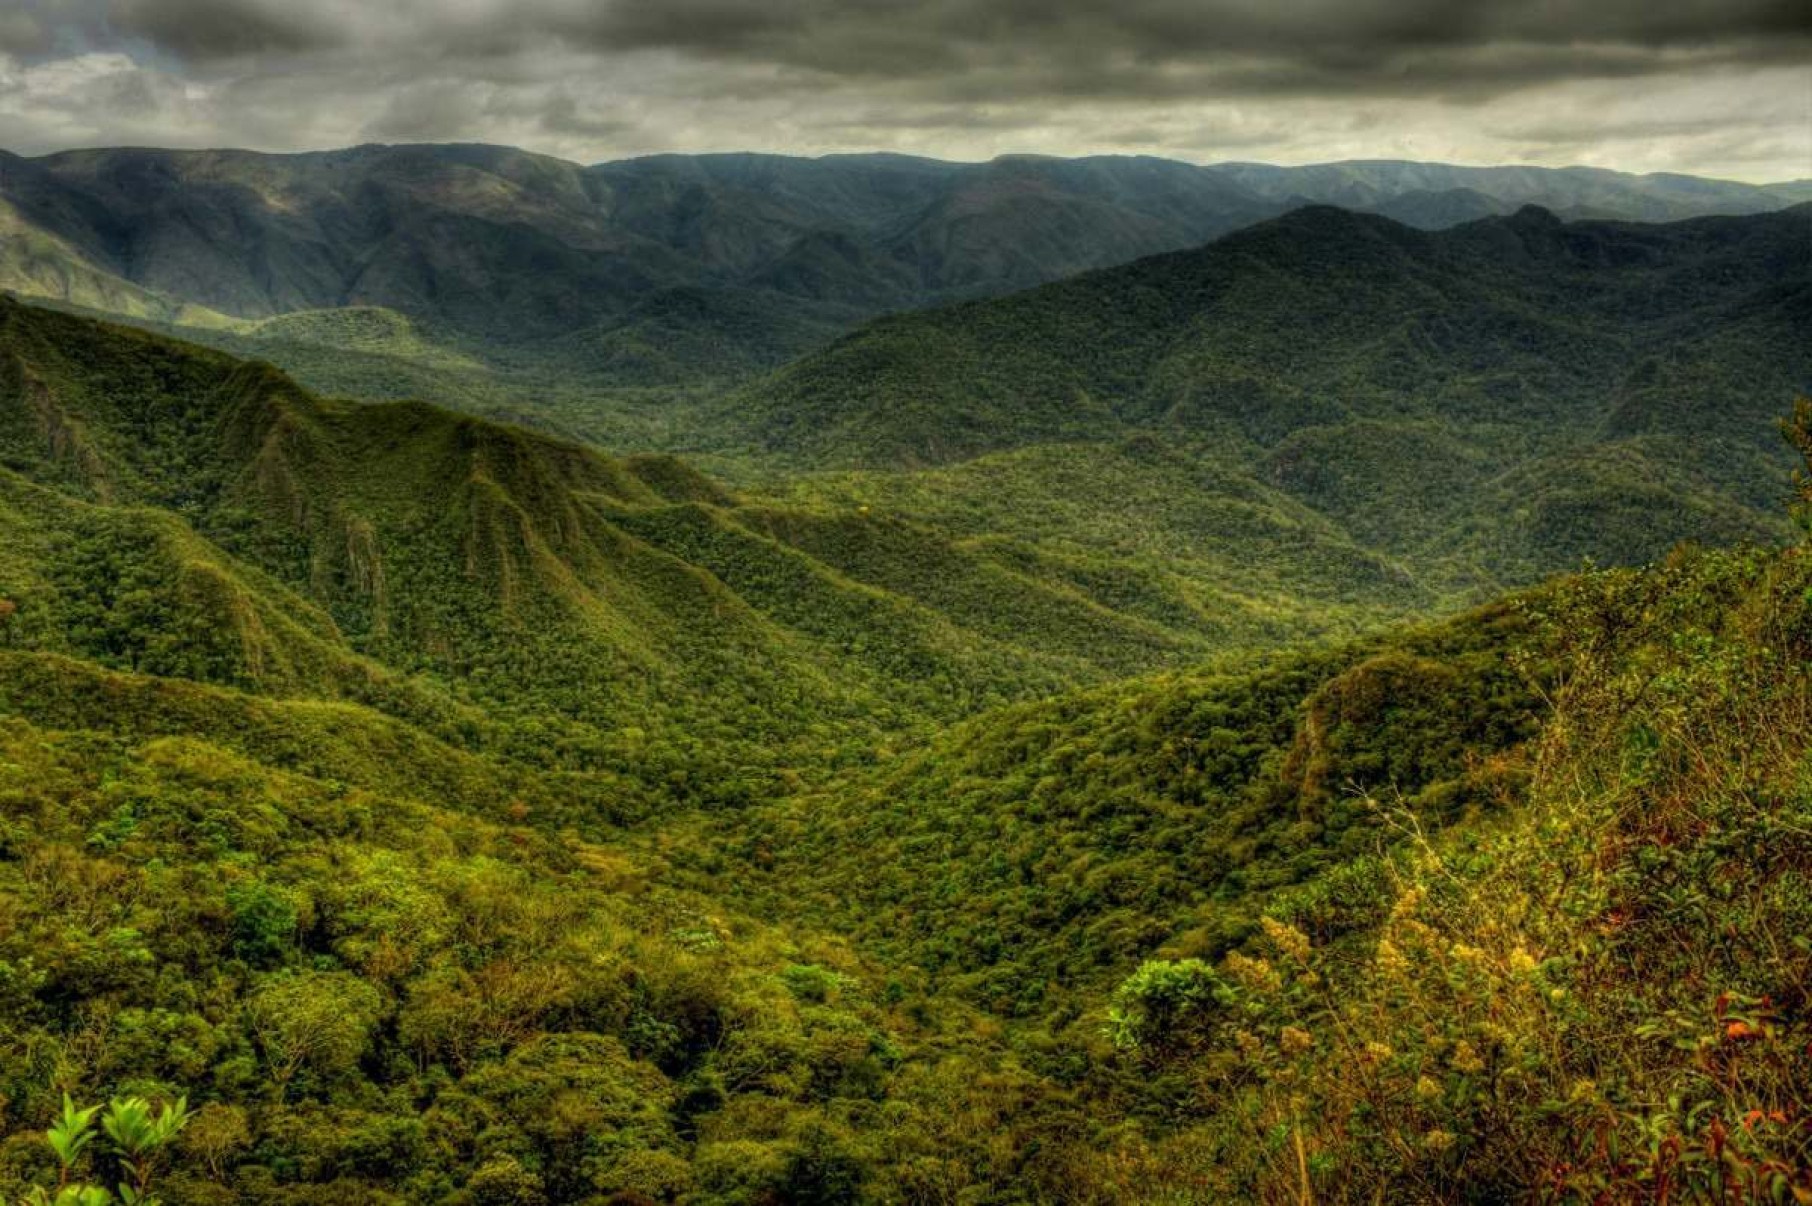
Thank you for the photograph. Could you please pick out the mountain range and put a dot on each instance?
(454, 264)
(1491, 402)
(1326, 404)
(1045, 681)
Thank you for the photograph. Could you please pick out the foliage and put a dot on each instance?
(1164, 1005)
(455, 814)
(1490, 403)
(459, 997)
(1798, 431)
(1604, 998)
(1102, 825)
(138, 1136)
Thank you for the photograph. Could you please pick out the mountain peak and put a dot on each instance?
(1318, 216)
(1536, 217)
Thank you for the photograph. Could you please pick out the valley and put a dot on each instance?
(737, 679)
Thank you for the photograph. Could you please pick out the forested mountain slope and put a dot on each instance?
(1502, 398)
(1458, 913)
(452, 269)
(1052, 813)
(1384, 921)
(1018, 857)
(171, 511)
(1322, 316)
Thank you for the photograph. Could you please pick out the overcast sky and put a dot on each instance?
(1716, 87)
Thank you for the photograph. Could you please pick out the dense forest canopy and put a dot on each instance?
(1151, 737)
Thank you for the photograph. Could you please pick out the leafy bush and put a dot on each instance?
(1167, 1006)
(137, 1135)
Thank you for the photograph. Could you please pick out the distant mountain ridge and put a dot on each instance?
(1321, 314)
(491, 247)
(1456, 408)
(1516, 392)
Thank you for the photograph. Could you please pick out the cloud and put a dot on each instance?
(81, 98)
(1060, 47)
(428, 111)
(23, 32)
(1341, 38)
(213, 29)
(1718, 87)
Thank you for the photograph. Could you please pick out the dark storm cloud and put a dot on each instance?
(1706, 85)
(211, 29)
(816, 32)
(1114, 47)
(935, 117)
(432, 111)
(31, 28)
(446, 110)
(22, 33)
(562, 113)
(1107, 48)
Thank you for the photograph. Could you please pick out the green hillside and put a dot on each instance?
(179, 513)
(534, 288)
(1461, 912)
(372, 999)
(1319, 318)
(1485, 404)
(1376, 919)
(1019, 858)
(1087, 756)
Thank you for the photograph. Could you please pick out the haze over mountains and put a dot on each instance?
(1517, 393)
(666, 270)
(1482, 401)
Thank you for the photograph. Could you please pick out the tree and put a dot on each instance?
(1166, 1006)
(8, 609)
(318, 1020)
(216, 1133)
(264, 923)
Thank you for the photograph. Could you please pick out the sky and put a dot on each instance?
(1710, 87)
